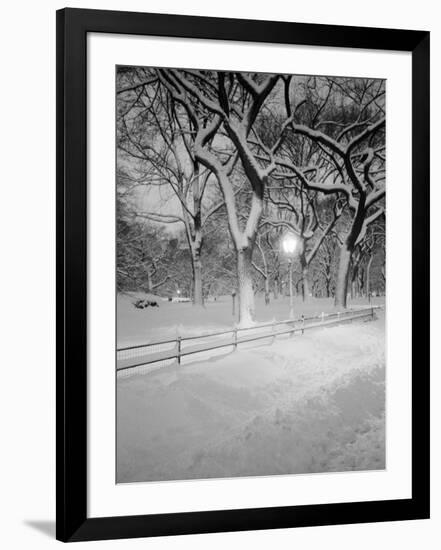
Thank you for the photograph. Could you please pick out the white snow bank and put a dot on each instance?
(313, 403)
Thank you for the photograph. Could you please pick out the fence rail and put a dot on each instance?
(167, 351)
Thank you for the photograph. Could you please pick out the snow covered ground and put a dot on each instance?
(311, 403)
(140, 326)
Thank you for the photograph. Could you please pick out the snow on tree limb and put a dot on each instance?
(370, 219)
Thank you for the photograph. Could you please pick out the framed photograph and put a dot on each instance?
(242, 275)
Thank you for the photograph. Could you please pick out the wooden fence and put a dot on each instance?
(175, 349)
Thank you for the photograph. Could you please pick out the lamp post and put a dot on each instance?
(289, 245)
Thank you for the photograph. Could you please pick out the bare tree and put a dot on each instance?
(269, 265)
(325, 264)
(374, 245)
(142, 257)
(348, 156)
(157, 135)
(311, 147)
(296, 209)
(226, 106)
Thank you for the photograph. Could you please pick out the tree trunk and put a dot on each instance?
(341, 289)
(276, 288)
(198, 299)
(245, 284)
(196, 238)
(346, 250)
(328, 287)
(149, 282)
(360, 283)
(244, 243)
(353, 280)
(267, 291)
(368, 276)
(305, 272)
(305, 285)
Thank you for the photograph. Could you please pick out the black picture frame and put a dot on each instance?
(71, 429)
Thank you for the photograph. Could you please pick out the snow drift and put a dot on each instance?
(311, 403)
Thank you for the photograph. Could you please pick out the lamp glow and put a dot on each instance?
(289, 243)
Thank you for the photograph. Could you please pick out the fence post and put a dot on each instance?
(179, 344)
(235, 338)
(303, 324)
(323, 317)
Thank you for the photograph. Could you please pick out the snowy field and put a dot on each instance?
(311, 403)
(140, 326)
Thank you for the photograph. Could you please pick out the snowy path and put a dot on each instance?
(302, 405)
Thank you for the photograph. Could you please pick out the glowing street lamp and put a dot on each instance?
(289, 245)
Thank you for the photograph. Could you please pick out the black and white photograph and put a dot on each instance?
(217, 275)
(251, 276)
